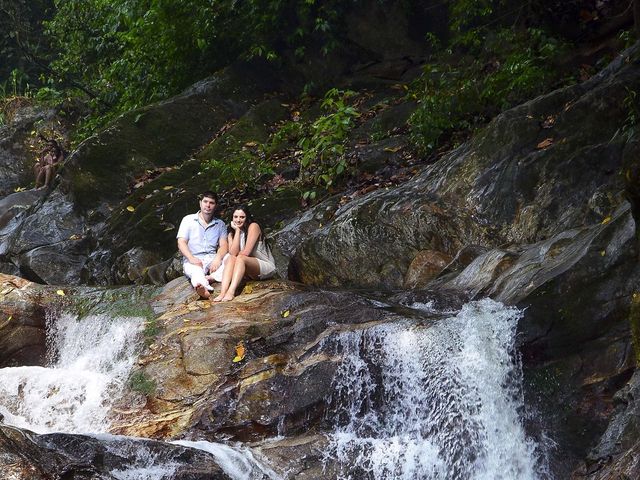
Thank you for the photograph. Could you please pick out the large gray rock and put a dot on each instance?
(25, 455)
(552, 164)
(90, 209)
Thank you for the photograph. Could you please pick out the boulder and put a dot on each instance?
(22, 323)
(24, 454)
(546, 166)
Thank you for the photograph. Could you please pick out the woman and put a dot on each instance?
(45, 167)
(250, 256)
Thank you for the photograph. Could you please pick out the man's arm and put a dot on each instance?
(184, 250)
(223, 248)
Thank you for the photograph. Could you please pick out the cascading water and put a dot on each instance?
(89, 362)
(433, 402)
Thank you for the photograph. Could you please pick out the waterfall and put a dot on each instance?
(439, 401)
(237, 462)
(89, 362)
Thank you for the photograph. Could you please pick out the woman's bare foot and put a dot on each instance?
(227, 298)
(203, 292)
(218, 298)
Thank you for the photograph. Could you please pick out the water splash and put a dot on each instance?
(412, 402)
(237, 462)
(90, 359)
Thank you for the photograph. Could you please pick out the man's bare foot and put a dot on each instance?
(202, 291)
(227, 298)
(218, 298)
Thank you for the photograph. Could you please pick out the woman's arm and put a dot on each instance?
(234, 242)
(253, 235)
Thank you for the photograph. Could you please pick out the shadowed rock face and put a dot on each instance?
(22, 324)
(16, 160)
(555, 163)
(42, 457)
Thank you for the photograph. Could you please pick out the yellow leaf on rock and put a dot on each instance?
(603, 253)
(547, 142)
(10, 317)
(130, 208)
(285, 314)
(60, 292)
(606, 220)
(240, 353)
(247, 289)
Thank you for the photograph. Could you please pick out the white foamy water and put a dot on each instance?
(237, 462)
(93, 358)
(438, 402)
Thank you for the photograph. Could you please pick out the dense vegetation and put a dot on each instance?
(111, 56)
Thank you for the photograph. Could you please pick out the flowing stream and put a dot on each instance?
(438, 398)
(440, 401)
(89, 363)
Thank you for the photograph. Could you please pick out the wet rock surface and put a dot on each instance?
(538, 210)
(279, 386)
(42, 457)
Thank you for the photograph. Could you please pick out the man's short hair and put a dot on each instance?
(209, 194)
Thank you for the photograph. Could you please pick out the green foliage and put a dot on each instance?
(239, 169)
(23, 47)
(458, 91)
(323, 147)
(141, 383)
(122, 54)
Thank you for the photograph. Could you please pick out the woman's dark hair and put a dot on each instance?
(248, 221)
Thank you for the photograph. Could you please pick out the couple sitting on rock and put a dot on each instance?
(212, 254)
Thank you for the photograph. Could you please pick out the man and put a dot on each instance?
(202, 240)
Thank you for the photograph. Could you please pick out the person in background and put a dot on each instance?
(202, 240)
(46, 166)
(250, 255)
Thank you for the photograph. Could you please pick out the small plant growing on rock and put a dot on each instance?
(141, 383)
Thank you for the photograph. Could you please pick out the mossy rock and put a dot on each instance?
(104, 166)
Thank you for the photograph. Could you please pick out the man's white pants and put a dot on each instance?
(197, 274)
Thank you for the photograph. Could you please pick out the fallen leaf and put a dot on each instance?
(247, 289)
(130, 208)
(545, 143)
(19, 189)
(168, 187)
(392, 149)
(606, 220)
(285, 313)
(250, 144)
(75, 236)
(240, 353)
(603, 253)
(60, 292)
(10, 317)
(549, 122)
